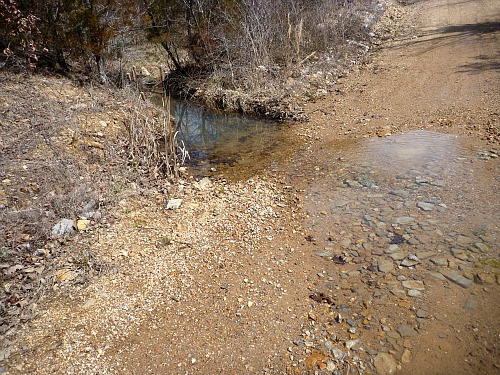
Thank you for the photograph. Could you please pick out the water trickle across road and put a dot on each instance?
(391, 220)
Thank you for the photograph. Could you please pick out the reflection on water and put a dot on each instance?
(418, 166)
(407, 150)
(220, 137)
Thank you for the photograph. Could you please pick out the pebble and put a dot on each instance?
(421, 313)
(324, 253)
(174, 204)
(385, 266)
(470, 304)
(464, 240)
(385, 364)
(409, 262)
(63, 228)
(481, 247)
(414, 293)
(392, 249)
(406, 356)
(404, 220)
(406, 331)
(424, 206)
(456, 278)
(424, 254)
(413, 284)
(440, 261)
(397, 256)
(349, 344)
(400, 193)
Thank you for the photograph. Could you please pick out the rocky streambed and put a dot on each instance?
(398, 226)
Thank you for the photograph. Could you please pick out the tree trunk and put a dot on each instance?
(103, 78)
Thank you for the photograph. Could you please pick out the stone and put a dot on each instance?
(349, 344)
(437, 276)
(82, 224)
(484, 278)
(456, 278)
(424, 206)
(385, 364)
(413, 241)
(406, 356)
(413, 284)
(5, 353)
(414, 293)
(353, 184)
(397, 256)
(470, 304)
(64, 227)
(404, 220)
(392, 249)
(64, 274)
(400, 193)
(91, 206)
(464, 240)
(421, 313)
(203, 184)
(145, 72)
(385, 266)
(481, 247)
(409, 262)
(440, 261)
(424, 254)
(174, 204)
(96, 215)
(406, 331)
(324, 253)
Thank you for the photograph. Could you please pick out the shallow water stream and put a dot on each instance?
(217, 140)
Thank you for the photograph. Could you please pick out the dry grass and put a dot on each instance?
(61, 146)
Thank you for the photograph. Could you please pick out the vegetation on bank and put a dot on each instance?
(245, 55)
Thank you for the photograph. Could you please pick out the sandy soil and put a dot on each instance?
(223, 284)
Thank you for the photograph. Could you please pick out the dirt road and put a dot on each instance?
(230, 282)
(443, 76)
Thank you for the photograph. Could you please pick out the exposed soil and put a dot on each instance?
(228, 282)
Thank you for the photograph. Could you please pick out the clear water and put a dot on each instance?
(215, 138)
(387, 177)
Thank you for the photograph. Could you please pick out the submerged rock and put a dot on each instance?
(385, 364)
(456, 278)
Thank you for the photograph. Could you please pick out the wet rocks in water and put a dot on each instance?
(400, 193)
(410, 261)
(385, 364)
(424, 206)
(456, 278)
(385, 266)
(324, 253)
(404, 220)
(470, 304)
(413, 284)
(406, 331)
